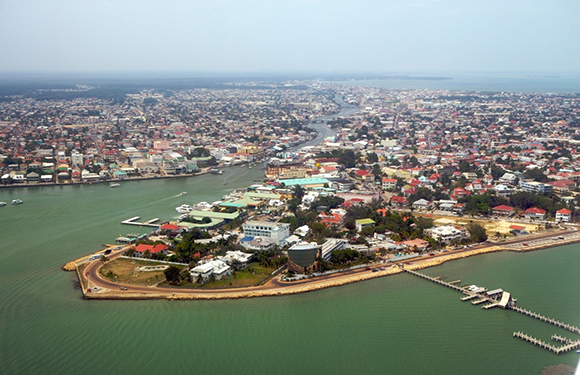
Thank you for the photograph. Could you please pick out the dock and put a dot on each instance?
(149, 223)
(544, 345)
(506, 302)
(543, 318)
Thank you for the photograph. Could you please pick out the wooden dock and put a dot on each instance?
(149, 223)
(544, 345)
(547, 320)
(435, 280)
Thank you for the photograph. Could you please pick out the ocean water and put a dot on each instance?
(392, 325)
(472, 82)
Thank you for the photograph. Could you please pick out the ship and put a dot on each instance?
(115, 184)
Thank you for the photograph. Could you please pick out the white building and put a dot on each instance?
(76, 159)
(217, 268)
(535, 187)
(242, 258)
(275, 231)
(446, 233)
(563, 215)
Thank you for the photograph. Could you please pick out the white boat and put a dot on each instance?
(16, 201)
(182, 193)
(115, 184)
(2, 204)
(184, 208)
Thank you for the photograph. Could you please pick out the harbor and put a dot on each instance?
(478, 295)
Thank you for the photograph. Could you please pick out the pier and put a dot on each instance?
(547, 320)
(554, 349)
(480, 295)
(149, 223)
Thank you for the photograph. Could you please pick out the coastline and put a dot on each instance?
(319, 283)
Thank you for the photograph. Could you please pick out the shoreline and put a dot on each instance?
(314, 284)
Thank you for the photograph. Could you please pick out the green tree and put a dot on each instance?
(477, 232)
(172, 274)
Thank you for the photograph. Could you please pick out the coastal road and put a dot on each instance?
(92, 270)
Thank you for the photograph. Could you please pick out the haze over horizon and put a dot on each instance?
(299, 36)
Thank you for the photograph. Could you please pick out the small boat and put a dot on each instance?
(182, 193)
(2, 204)
(17, 201)
(184, 208)
(115, 184)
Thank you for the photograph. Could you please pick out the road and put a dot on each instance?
(276, 284)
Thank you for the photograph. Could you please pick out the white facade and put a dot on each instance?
(275, 231)
(446, 233)
(217, 268)
(77, 159)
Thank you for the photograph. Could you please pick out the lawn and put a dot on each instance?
(246, 277)
(125, 271)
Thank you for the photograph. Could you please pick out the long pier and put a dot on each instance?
(479, 298)
(148, 223)
(544, 345)
(435, 280)
(547, 320)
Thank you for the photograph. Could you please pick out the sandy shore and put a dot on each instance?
(318, 284)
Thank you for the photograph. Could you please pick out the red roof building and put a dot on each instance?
(535, 213)
(153, 249)
(503, 210)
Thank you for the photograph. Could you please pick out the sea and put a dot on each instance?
(488, 82)
(394, 325)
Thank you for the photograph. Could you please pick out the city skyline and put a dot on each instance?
(294, 36)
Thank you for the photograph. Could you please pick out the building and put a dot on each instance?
(389, 183)
(503, 210)
(277, 232)
(535, 213)
(563, 215)
(141, 249)
(421, 204)
(331, 245)
(301, 257)
(536, 187)
(237, 257)
(364, 223)
(447, 233)
(216, 268)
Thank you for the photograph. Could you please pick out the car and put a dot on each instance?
(123, 288)
(431, 254)
(367, 268)
(375, 270)
(525, 244)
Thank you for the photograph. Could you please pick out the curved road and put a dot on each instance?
(275, 284)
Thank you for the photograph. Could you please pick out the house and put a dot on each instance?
(331, 219)
(517, 229)
(399, 201)
(562, 186)
(302, 231)
(563, 215)
(447, 233)
(364, 223)
(389, 183)
(535, 213)
(141, 249)
(420, 244)
(502, 190)
(503, 210)
(421, 204)
(237, 257)
(508, 178)
(216, 268)
(342, 184)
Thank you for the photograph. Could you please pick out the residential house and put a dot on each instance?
(563, 215)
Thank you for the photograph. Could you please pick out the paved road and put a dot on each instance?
(276, 283)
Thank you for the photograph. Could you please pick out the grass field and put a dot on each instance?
(492, 226)
(246, 277)
(124, 271)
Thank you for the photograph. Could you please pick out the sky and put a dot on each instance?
(290, 36)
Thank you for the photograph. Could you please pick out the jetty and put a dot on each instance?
(480, 295)
(149, 223)
(544, 345)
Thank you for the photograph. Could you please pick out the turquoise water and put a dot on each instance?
(394, 325)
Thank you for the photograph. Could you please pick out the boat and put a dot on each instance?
(182, 193)
(17, 201)
(184, 208)
(115, 184)
(2, 204)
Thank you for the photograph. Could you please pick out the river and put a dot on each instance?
(395, 325)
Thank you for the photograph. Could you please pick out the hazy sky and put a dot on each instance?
(290, 35)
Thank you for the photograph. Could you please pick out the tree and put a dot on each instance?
(477, 232)
(172, 274)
